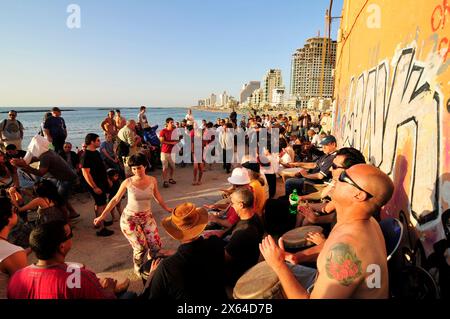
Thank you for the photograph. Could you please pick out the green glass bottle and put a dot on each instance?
(293, 201)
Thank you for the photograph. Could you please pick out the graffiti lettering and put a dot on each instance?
(446, 45)
(383, 113)
(439, 15)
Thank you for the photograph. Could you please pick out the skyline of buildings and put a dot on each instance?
(311, 82)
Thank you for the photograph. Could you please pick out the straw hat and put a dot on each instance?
(239, 176)
(186, 222)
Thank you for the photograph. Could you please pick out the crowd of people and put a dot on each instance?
(218, 243)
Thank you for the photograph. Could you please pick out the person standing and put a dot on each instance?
(304, 122)
(128, 141)
(94, 172)
(189, 117)
(55, 130)
(226, 141)
(120, 120)
(142, 118)
(137, 222)
(109, 125)
(167, 143)
(11, 131)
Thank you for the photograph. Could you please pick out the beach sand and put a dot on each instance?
(112, 256)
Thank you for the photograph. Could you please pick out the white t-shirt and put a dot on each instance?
(6, 249)
(273, 168)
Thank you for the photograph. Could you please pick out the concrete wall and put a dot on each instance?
(392, 95)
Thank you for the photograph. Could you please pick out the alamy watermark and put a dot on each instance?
(74, 19)
(210, 146)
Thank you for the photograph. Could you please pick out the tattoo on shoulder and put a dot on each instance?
(342, 264)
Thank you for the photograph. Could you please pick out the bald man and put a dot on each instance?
(352, 263)
(128, 139)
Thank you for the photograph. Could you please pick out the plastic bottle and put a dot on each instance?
(293, 201)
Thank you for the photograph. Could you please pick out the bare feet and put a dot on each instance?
(122, 287)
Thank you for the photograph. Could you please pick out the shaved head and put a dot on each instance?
(374, 181)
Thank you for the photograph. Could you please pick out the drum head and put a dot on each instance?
(259, 282)
(296, 238)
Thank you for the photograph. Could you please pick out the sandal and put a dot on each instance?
(165, 184)
(171, 181)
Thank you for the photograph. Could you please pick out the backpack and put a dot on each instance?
(5, 121)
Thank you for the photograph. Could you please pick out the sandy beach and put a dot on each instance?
(112, 256)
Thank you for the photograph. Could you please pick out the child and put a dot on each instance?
(114, 184)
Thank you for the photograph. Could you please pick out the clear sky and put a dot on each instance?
(155, 53)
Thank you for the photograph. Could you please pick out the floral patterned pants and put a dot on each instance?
(142, 232)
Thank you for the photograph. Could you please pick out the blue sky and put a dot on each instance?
(156, 53)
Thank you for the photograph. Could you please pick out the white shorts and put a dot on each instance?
(167, 161)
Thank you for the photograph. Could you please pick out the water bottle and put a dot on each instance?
(293, 201)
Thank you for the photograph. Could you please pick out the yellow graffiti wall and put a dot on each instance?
(392, 102)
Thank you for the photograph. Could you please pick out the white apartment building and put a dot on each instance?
(248, 89)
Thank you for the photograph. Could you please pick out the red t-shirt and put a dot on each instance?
(167, 134)
(53, 282)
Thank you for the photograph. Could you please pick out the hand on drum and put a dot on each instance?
(272, 253)
(316, 238)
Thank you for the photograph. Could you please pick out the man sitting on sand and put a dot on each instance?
(355, 244)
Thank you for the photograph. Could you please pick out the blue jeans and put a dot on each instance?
(294, 183)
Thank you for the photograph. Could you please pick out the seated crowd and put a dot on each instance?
(218, 243)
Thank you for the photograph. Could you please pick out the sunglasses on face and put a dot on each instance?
(344, 178)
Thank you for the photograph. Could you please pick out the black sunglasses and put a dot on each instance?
(344, 178)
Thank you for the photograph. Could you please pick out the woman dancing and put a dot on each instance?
(137, 222)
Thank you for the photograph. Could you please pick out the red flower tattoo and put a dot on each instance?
(342, 264)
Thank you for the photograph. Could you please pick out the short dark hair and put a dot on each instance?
(352, 156)
(142, 108)
(13, 111)
(46, 238)
(117, 111)
(56, 109)
(283, 143)
(5, 212)
(137, 160)
(169, 119)
(11, 147)
(46, 189)
(91, 137)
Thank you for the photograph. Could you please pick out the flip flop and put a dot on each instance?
(171, 181)
(165, 184)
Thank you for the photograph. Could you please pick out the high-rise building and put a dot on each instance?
(248, 89)
(272, 80)
(312, 70)
(213, 100)
(223, 99)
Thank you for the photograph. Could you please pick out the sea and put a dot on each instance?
(83, 120)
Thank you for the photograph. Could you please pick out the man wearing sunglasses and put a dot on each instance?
(355, 250)
(11, 131)
(51, 278)
(314, 172)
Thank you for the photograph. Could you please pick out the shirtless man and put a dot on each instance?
(109, 125)
(354, 244)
